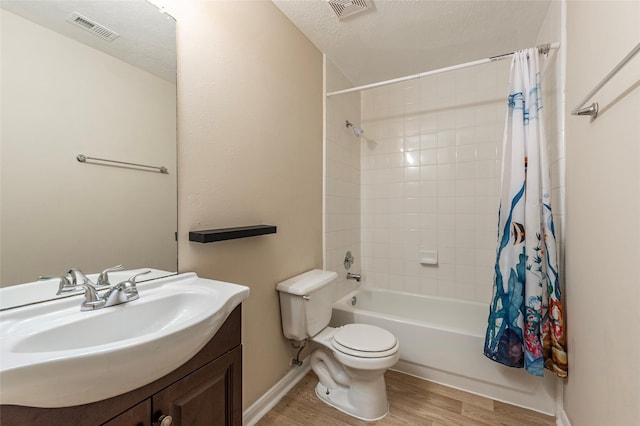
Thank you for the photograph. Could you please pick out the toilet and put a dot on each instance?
(351, 360)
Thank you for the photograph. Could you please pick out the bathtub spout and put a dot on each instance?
(331, 374)
(351, 276)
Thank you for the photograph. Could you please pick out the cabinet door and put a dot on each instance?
(139, 415)
(210, 396)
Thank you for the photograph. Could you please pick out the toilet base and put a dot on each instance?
(339, 399)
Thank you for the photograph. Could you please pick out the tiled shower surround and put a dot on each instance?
(425, 176)
(430, 180)
(342, 181)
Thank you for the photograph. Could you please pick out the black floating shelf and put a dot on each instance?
(212, 235)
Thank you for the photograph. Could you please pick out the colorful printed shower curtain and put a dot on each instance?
(526, 319)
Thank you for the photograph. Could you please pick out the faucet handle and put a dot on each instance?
(103, 278)
(348, 260)
(92, 299)
(78, 277)
(132, 279)
(130, 285)
(64, 286)
(123, 292)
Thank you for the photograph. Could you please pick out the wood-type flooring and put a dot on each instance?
(413, 401)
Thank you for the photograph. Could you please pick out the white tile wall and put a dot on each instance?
(430, 181)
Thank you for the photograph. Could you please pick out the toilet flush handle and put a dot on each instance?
(305, 297)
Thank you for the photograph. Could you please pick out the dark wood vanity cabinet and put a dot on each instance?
(204, 398)
(205, 391)
(140, 415)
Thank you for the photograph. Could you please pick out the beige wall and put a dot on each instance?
(250, 152)
(603, 211)
(61, 98)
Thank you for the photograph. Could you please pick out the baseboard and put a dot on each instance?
(562, 419)
(267, 401)
(561, 416)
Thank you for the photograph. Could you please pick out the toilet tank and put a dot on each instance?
(306, 302)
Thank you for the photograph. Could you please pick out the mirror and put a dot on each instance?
(67, 89)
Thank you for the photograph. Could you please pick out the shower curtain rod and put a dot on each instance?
(543, 48)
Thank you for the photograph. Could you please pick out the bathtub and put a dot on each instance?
(441, 340)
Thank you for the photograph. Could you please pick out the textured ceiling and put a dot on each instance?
(395, 38)
(147, 37)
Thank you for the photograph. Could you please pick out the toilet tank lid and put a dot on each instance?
(306, 283)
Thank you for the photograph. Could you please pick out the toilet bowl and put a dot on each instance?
(351, 360)
(351, 364)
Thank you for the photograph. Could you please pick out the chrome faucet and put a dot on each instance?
(351, 276)
(79, 280)
(76, 280)
(103, 278)
(92, 299)
(64, 285)
(123, 292)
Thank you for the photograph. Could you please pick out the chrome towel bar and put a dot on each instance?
(592, 110)
(83, 159)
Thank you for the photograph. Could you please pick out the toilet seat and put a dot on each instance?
(364, 341)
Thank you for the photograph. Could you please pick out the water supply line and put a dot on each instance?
(297, 362)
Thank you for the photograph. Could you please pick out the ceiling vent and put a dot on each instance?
(345, 8)
(93, 27)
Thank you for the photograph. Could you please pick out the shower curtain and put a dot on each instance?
(526, 319)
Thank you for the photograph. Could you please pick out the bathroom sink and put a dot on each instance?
(54, 355)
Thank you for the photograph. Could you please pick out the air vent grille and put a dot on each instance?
(344, 8)
(93, 27)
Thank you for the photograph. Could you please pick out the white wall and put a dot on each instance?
(342, 180)
(61, 98)
(603, 211)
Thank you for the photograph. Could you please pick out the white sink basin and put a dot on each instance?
(54, 355)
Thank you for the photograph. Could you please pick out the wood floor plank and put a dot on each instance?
(527, 417)
(275, 418)
(309, 415)
(453, 393)
(481, 414)
(413, 401)
(396, 389)
(424, 410)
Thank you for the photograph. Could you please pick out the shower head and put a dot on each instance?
(356, 130)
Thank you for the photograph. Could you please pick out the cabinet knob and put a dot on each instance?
(163, 421)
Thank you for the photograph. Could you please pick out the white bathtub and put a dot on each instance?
(442, 340)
